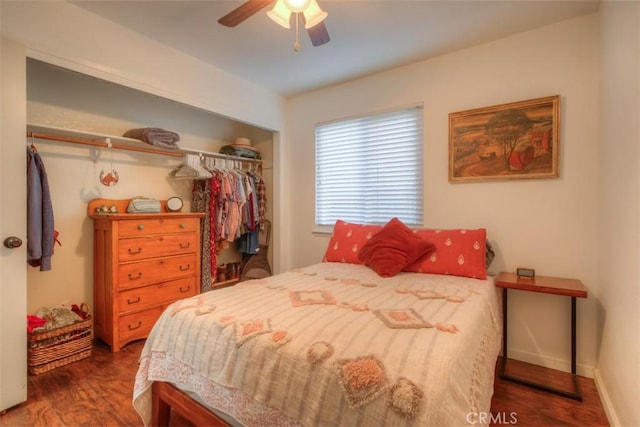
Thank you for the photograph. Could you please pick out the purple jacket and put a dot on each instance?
(40, 226)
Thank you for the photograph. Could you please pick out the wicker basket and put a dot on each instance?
(51, 349)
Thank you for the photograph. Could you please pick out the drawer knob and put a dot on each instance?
(183, 290)
(136, 326)
(135, 301)
(132, 277)
(183, 225)
(140, 226)
(134, 252)
(185, 246)
(185, 268)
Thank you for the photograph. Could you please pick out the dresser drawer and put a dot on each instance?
(144, 227)
(156, 246)
(136, 274)
(138, 325)
(159, 293)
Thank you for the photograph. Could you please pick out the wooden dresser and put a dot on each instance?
(142, 263)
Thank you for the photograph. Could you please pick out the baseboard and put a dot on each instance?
(606, 400)
(551, 363)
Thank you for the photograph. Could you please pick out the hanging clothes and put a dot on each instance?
(201, 196)
(214, 189)
(254, 214)
(261, 201)
(234, 203)
(41, 234)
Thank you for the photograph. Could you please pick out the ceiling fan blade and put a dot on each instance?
(242, 12)
(318, 34)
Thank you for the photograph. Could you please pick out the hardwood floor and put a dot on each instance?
(97, 391)
(91, 392)
(526, 406)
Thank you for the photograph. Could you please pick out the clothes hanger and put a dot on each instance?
(33, 146)
(191, 168)
(202, 171)
(210, 164)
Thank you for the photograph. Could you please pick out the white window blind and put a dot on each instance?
(369, 169)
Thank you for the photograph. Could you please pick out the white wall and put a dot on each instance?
(63, 34)
(548, 224)
(619, 237)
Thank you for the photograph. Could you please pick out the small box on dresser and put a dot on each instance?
(142, 263)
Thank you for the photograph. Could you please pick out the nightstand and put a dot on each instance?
(548, 285)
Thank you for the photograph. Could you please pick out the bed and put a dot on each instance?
(332, 344)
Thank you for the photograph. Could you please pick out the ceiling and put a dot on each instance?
(366, 36)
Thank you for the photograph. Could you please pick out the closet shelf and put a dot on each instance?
(74, 136)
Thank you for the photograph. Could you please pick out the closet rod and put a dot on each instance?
(101, 144)
(177, 153)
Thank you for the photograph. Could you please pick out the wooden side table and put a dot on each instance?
(549, 285)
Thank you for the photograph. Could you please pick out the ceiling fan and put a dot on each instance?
(311, 13)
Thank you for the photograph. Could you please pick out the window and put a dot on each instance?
(369, 169)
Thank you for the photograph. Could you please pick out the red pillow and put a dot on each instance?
(347, 240)
(458, 252)
(393, 248)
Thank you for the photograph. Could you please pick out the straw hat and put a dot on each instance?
(243, 143)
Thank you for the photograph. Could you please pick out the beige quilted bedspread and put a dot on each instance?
(332, 345)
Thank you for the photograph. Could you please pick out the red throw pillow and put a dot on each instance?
(458, 252)
(347, 240)
(393, 248)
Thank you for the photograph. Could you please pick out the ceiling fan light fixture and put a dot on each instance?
(297, 6)
(280, 14)
(313, 15)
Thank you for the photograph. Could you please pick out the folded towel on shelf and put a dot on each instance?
(155, 136)
(233, 150)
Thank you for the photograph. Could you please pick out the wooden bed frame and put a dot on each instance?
(165, 397)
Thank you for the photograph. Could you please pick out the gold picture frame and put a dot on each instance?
(518, 140)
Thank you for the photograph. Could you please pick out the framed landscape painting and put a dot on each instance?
(519, 140)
